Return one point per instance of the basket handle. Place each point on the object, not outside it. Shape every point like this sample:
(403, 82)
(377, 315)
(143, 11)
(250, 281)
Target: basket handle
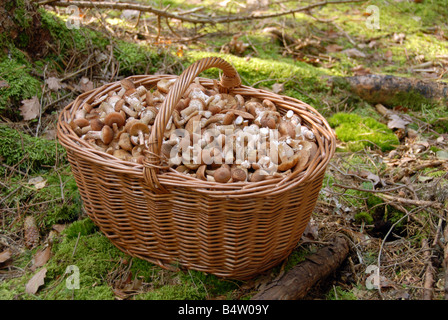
(229, 79)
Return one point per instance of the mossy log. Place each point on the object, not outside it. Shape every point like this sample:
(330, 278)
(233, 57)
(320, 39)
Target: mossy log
(297, 282)
(393, 91)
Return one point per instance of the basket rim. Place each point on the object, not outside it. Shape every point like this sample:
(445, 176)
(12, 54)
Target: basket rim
(325, 139)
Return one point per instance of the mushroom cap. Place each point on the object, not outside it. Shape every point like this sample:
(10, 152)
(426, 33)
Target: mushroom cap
(107, 134)
(96, 124)
(127, 84)
(258, 175)
(269, 105)
(118, 105)
(286, 128)
(87, 106)
(238, 174)
(222, 174)
(122, 154)
(81, 122)
(138, 127)
(125, 142)
(114, 117)
(149, 98)
(164, 85)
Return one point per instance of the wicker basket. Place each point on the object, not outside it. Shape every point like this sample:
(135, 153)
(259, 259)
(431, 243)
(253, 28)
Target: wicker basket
(233, 230)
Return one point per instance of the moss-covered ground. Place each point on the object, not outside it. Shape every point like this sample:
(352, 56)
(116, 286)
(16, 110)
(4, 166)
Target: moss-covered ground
(368, 158)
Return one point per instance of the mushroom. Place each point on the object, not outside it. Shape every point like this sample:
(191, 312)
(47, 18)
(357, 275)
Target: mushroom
(238, 173)
(222, 174)
(139, 129)
(122, 154)
(114, 118)
(148, 115)
(258, 175)
(149, 98)
(94, 125)
(81, 122)
(182, 104)
(127, 84)
(194, 105)
(164, 85)
(286, 128)
(200, 173)
(125, 142)
(105, 135)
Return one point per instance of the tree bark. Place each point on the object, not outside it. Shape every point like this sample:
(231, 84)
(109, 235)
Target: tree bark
(391, 90)
(297, 282)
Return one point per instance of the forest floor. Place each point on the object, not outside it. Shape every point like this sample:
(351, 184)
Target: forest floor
(385, 190)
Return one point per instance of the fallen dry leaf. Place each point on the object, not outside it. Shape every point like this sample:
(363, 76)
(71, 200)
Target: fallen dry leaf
(333, 48)
(31, 232)
(85, 84)
(38, 182)
(5, 255)
(278, 88)
(396, 122)
(30, 108)
(54, 84)
(353, 53)
(36, 281)
(41, 257)
(59, 227)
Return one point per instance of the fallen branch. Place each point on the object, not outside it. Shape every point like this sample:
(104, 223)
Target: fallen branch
(297, 282)
(182, 16)
(391, 90)
(429, 273)
(418, 203)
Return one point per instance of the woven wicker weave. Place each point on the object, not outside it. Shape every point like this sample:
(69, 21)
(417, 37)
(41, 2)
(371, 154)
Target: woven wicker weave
(233, 230)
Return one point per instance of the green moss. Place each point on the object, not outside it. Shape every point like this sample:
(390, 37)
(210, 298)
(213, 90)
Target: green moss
(28, 152)
(82, 227)
(172, 292)
(15, 70)
(94, 256)
(363, 217)
(359, 132)
(257, 69)
(338, 293)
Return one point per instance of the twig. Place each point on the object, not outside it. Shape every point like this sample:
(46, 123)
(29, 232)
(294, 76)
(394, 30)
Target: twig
(419, 203)
(429, 273)
(76, 244)
(369, 190)
(182, 17)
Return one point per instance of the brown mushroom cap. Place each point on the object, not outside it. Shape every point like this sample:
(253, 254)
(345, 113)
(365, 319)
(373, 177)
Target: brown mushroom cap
(139, 129)
(96, 124)
(238, 174)
(125, 142)
(81, 122)
(127, 84)
(114, 117)
(258, 175)
(286, 128)
(122, 154)
(222, 174)
(107, 134)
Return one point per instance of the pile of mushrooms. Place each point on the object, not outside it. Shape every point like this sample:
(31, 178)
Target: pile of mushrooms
(212, 136)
